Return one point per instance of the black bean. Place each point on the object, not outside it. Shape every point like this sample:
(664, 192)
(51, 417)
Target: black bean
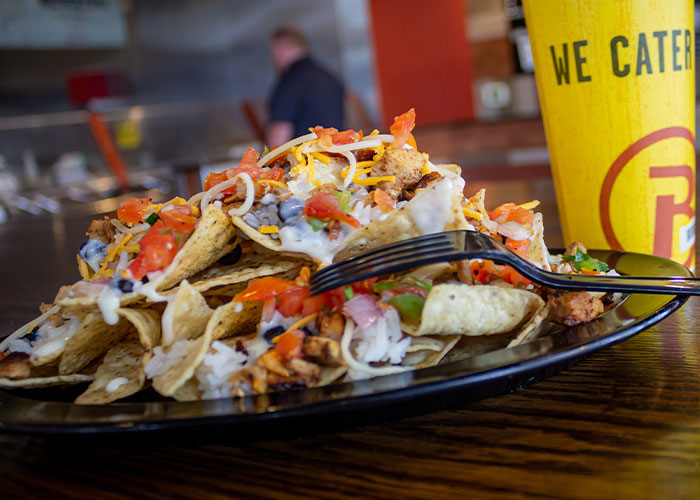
(126, 286)
(273, 332)
(232, 257)
(144, 280)
(291, 208)
(31, 336)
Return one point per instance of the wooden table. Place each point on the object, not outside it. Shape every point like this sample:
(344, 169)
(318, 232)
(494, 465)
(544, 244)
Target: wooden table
(623, 423)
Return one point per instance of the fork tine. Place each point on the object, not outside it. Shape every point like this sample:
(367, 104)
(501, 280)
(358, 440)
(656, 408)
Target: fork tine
(421, 240)
(385, 267)
(349, 266)
(384, 260)
(412, 245)
(361, 266)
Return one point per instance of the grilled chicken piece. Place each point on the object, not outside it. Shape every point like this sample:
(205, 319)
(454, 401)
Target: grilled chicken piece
(576, 245)
(405, 164)
(15, 365)
(330, 324)
(323, 351)
(574, 308)
(101, 230)
(410, 191)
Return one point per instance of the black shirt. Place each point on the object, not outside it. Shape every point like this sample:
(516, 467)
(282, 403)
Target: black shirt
(307, 95)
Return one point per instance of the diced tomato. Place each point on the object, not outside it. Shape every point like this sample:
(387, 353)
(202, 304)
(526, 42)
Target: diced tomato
(313, 305)
(411, 141)
(330, 136)
(512, 212)
(588, 271)
(132, 210)
(274, 174)
(521, 247)
(247, 165)
(325, 206)
(346, 137)
(292, 301)
(179, 218)
(365, 286)
(335, 298)
(289, 344)
(383, 200)
(402, 126)
(213, 179)
(157, 252)
(264, 288)
(486, 271)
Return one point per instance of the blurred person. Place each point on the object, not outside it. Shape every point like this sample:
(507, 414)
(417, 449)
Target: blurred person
(305, 94)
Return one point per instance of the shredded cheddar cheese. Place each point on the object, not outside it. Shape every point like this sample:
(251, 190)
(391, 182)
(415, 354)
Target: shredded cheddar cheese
(298, 324)
(83, 268)
(311, 171)
(530, 204)
(272, 183)
(269, 229)
(321, 157)
(471, 213)
(374, 132)
(113, 252)
(371, 181)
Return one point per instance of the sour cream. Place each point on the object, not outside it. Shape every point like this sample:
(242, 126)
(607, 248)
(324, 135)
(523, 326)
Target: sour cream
(116, 383)
(431, 208)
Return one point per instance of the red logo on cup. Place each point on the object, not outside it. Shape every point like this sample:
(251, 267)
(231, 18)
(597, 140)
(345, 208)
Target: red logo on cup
(666, 208)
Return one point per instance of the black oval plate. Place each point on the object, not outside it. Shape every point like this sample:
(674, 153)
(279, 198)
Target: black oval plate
(362, 401)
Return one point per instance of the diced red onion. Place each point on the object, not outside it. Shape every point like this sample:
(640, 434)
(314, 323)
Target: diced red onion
(363, 310)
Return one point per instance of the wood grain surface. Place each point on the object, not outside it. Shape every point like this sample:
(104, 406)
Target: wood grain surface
(622, 423)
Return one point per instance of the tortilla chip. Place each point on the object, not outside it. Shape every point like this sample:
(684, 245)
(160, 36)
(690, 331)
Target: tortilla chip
(82, 306)
(533, 328)
(123, 361)
(229, 321)
(26, 328)
(427, 354)
(467, 347)
(538, 249)
(189, 391)
(173, 379)
(329, 374)
(213, 238)
(402, 224)
(39, 382)
(93, 338)
(249, 267)
(476, 310)
(147, 324)
(186, 316)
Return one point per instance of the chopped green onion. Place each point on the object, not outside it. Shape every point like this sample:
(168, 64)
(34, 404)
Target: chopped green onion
(410, 306)
(316, 224)
(266, 150)
(151, 219)
(348, 292)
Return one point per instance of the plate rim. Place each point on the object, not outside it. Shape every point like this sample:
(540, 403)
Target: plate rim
(432, 385)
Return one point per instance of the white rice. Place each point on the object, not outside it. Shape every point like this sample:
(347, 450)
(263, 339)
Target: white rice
(162, 361)
(218, 365)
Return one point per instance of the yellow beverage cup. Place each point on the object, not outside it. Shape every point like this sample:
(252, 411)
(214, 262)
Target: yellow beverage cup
(616, 82)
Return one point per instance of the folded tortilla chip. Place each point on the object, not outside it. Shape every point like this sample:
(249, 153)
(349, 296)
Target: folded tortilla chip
(186, 315)
(93, 338)
(476, 310)
(120, 375)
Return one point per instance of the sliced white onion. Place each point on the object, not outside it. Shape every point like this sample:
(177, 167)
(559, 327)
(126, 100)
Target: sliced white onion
(363, 367)
(490, 225)
(367, 143)
(284, 147)
(514, 230)
(219, 188)
(249, 195)
(351, 171)
(138, 228)
(382, 137)
(195, 198)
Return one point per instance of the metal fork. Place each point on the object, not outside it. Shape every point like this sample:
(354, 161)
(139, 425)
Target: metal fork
(459, 245)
